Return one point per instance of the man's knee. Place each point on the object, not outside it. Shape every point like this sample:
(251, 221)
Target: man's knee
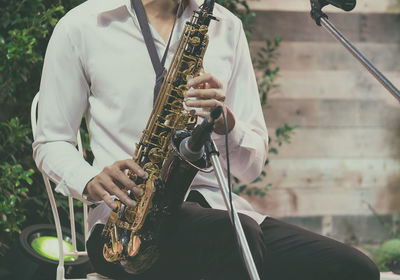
(373, 271)
(359, 266)
(366, 269)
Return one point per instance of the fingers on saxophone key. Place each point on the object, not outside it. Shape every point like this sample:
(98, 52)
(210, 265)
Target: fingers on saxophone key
(138, 191)
(209, 103)
(205, 78)
(123, 180)
(113, 188)
(202, 114)
(212, 93)
(106, 197)
(132, 165)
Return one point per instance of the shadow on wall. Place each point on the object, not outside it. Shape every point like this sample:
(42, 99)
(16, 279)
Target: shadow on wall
(394, 181)
(389, 200)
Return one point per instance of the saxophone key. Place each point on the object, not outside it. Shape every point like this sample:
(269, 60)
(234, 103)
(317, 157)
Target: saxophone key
(180, 90)
(203, 29)
(161, 138)
(195, 41)
(134, 245)
(170, 119)
(176, 105)
(152, 169)
(133, 176)
(156, 155)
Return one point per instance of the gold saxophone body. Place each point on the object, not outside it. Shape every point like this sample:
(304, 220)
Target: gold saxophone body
(131, 234)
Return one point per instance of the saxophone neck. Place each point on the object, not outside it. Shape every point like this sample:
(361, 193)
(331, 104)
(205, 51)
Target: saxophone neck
(208, 6)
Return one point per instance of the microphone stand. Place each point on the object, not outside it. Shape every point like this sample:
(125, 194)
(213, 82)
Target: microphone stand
(213, 154)
(321, 18)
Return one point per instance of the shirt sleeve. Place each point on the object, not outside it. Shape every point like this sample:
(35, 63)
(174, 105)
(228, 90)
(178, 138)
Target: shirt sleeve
(248, 140)
(64, 92)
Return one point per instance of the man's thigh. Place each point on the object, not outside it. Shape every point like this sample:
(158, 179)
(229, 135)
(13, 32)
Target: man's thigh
(295, 253)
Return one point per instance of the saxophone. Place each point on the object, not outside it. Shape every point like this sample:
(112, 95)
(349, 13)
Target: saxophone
(131, 234)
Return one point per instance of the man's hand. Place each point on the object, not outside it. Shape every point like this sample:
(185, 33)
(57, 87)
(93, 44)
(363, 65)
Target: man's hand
(114, 181)
(209, 94)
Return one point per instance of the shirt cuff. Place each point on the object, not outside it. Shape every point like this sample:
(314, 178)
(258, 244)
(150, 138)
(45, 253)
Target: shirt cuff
(75, 184)
(235, 137)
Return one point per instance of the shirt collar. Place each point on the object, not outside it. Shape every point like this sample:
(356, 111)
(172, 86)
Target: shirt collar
(104, 6)
(107, 5)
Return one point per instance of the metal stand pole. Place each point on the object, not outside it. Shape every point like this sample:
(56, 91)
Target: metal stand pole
(223, 184)
(322, 18)
(365, 62)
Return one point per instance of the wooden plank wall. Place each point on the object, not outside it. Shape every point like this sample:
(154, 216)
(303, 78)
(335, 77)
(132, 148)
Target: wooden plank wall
(345, 153)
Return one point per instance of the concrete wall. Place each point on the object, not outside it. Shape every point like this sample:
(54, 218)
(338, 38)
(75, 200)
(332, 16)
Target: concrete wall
(345, 154)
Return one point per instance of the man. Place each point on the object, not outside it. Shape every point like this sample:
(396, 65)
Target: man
(97, 63)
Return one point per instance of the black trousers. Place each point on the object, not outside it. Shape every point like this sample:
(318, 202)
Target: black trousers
(199, 243)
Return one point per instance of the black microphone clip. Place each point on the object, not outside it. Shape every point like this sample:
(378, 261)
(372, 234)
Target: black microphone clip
(191, 148)
(346, 5)
(317, 5)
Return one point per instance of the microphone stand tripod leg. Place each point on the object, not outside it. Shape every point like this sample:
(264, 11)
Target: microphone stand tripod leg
(213, 154)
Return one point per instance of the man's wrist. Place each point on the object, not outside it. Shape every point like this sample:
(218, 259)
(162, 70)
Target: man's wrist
(220, 125)
(86, 195)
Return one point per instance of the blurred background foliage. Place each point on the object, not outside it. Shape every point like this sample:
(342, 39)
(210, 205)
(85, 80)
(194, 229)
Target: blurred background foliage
(25, 28)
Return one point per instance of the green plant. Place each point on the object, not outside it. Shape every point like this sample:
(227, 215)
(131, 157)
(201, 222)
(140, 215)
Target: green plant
(390, 249)
(14, 180)
(14, 140)
(387, 252)
(23, 36)
(264, 62)
(25, 27)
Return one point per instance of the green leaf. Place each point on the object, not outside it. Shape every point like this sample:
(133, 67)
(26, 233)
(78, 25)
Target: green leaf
(258, 179)
(273, 150)
(24, 190)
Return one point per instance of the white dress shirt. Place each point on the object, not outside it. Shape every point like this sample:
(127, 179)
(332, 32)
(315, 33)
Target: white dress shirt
(97, 63)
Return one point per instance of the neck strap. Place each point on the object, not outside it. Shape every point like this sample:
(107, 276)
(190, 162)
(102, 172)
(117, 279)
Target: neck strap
(158, 65)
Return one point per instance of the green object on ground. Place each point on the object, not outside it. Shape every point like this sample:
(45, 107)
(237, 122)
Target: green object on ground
(47, 246)
(388, 251)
